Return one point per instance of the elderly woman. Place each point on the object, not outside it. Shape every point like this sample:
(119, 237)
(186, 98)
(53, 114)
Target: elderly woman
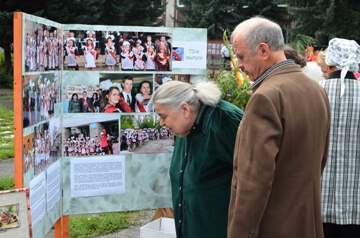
(340, 179)
(202, 162)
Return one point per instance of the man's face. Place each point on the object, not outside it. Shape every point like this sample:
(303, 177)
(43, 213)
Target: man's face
(84, 94)
(250, 63)
(127, 84)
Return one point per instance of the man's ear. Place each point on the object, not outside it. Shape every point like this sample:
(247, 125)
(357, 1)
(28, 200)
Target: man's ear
(264, 50)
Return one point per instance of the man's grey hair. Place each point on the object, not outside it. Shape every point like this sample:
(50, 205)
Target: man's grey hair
(258, 29)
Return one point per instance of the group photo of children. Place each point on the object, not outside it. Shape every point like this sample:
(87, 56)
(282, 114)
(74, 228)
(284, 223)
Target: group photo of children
(114, 50)
(43, 47)
(91, 135)
(47, 144)
(41, 93)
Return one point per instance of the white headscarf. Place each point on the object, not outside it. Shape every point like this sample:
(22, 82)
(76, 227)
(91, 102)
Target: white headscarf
(344, 55)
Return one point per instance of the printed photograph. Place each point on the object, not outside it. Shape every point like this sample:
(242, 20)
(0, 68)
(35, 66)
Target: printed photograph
(115, 50)
(90, 135)
(28, 152)
(48, 139)
(40, 94)
(9, 218)
(126, 93)
(43, 47)
(142, 134)
(80, 98)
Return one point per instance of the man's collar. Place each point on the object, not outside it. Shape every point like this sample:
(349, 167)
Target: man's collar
(270, 70)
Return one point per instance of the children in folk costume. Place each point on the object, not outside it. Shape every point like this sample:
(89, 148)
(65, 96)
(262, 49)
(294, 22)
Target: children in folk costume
(110, 53)
(71, 54)
(31, 54)
(90, 55)
(138, 50)
(150, 58)
(52, 54)
(127, 57)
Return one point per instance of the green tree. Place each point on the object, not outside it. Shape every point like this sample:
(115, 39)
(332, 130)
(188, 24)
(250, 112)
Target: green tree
(220, 15)
(215, 15)
(132, 13)
(325, 19)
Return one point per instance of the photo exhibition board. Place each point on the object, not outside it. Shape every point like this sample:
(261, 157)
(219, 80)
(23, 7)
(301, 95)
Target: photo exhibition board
(91, 141)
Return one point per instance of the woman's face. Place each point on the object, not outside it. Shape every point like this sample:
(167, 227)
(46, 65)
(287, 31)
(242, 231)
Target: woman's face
(145, 89)
(177, 121)
(74, 97)
(114, 97)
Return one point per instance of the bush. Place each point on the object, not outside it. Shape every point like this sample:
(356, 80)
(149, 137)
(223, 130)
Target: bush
(6, 78)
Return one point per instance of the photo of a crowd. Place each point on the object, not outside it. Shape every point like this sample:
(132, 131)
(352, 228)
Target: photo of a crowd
(116, 50)
(43, 47)
(47, 144)
(40, 94)
(143, 134)
(95, 135)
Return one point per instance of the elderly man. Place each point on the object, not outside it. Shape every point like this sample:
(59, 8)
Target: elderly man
(282, 141)
(340, 181)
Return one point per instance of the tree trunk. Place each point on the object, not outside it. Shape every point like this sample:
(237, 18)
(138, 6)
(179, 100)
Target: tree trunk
(8, 63)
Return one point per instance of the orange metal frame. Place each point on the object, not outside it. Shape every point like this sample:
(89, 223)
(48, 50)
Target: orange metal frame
(62, 225)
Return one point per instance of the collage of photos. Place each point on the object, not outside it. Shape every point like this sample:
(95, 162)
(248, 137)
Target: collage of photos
(116, 93)
(114, 50)
(41, 92)
(48, 48)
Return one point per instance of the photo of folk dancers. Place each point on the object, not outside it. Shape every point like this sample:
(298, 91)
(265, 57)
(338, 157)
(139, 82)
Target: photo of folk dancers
(117, 51)
(125, 93)
(92, 135)
(142, 134)
(48, 138)
(41, 93)
(43, 47)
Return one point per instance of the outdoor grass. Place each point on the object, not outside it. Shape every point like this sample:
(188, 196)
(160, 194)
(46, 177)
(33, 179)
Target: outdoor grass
(6, 133)
(100, 224)
(7, 183)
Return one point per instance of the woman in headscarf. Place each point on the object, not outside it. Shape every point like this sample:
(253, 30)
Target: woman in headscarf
(340, 179)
